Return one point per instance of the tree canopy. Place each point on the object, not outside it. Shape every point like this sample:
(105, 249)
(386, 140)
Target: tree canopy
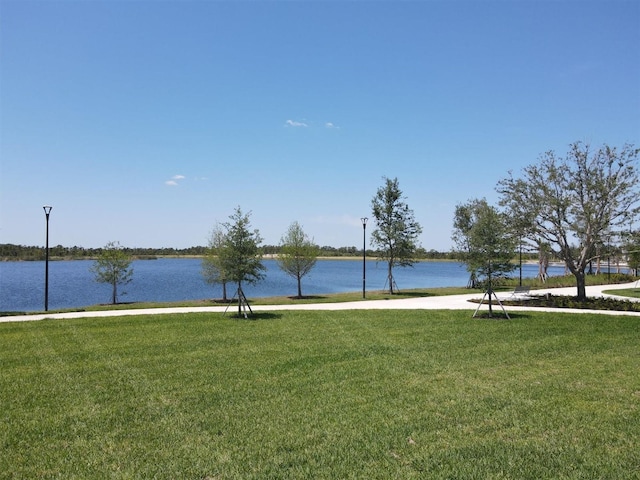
(632, 250)
(298, 254)
(240, 257)
(212, 268)
(396, 233)
(484, 241)
(574, 202)
(113, 266)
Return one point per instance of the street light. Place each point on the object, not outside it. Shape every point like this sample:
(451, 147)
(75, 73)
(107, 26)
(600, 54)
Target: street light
(520, 249)
(609, 258)
(47, 211)
(364, 254)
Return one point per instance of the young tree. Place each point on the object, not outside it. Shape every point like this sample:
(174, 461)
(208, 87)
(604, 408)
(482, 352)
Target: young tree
(298, 254)
(463, 221)
(113, 266)
(484, 241)
(632, 250)
(397, 231)
(578, 199)
(240, 257)
(211, 262)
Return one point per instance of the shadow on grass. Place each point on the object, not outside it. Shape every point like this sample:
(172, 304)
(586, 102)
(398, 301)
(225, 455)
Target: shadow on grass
(500, 316)
(408, 294)
(307, 297)
(254, 316)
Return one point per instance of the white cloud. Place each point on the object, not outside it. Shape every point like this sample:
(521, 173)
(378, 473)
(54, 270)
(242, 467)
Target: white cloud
(331, 125)
(174, 180)
(293, 123)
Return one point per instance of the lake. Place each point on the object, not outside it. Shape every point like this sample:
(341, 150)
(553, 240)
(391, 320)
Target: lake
(72, 285)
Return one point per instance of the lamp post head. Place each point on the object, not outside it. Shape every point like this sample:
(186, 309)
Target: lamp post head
(47, 209)
(364, 222)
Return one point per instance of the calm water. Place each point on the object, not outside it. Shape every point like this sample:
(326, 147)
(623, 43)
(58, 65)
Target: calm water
(71, 284)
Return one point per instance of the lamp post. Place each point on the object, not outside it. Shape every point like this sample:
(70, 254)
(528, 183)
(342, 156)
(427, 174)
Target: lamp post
(609, 258)
(364, 254)
(520, 249)
(47, 211)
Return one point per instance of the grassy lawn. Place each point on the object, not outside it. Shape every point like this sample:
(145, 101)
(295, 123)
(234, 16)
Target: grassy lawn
(569, 280)
(503, 285)
(276, 300)
(625, 292)
(322, 395)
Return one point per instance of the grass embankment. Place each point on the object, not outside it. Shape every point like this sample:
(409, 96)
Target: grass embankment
(625, 292)
(569, 281)
(278, 300)
(322, 395)
(503, 285)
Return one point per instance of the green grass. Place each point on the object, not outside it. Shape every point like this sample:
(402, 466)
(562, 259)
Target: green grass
(502, 285)
(276, 300)
(567, 280)
(370, 295)
(322, 395)
(625, 292)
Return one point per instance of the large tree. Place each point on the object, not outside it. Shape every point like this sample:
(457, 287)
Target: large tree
(240, 257)
(212, 270)
(396, 233)
(113, 266)
(484, 242)
(298, 254)
(576, 201)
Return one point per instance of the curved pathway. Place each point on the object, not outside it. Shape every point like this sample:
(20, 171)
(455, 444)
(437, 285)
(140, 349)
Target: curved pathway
(445, 302)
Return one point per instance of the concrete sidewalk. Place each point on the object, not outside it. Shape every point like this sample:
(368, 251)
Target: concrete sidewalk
(445, 302)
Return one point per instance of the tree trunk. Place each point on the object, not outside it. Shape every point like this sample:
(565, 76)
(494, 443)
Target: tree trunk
(390, 277)
(543, 266)
(299, 288)
(240, 299)
(114, 293)
(490, 291)
(581, 283)
(224, 292)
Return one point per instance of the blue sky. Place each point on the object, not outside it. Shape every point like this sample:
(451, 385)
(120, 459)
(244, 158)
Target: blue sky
(146, 122)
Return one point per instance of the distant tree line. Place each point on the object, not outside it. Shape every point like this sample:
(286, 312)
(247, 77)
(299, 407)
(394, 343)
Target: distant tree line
(11, 252)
